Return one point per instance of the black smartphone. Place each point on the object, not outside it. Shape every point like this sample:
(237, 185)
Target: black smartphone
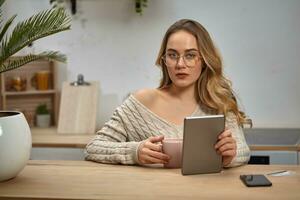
(255, 180)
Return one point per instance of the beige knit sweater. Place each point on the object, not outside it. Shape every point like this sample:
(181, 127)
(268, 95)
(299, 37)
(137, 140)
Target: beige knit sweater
(132, 122)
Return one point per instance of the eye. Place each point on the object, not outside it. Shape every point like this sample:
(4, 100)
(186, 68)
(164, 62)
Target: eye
(172, 55)
(190, 56)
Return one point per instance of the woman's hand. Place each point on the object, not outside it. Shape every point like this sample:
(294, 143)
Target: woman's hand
(150, 153)
(226, 146)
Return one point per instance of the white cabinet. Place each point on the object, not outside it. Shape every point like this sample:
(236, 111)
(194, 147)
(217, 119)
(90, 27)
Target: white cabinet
(56, 153)
(279, 157)
(48, 145)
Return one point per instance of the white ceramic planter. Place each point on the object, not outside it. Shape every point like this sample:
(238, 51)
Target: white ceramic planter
(43, 121)
(15, 144)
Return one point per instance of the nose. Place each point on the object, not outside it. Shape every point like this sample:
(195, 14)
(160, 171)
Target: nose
(180, 62)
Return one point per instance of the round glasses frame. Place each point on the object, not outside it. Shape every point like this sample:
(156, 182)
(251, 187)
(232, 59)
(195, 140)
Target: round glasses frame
(173, 62)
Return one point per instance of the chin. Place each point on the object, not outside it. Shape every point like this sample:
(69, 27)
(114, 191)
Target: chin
(183, 84)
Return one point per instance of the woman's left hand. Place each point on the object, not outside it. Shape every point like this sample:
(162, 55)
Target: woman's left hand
(226, 146)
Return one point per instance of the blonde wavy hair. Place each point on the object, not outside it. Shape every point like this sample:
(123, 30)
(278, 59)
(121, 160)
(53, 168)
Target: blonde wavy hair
(214, 90)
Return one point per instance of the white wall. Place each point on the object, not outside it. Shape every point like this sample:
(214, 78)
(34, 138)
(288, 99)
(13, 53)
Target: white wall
(259, 41)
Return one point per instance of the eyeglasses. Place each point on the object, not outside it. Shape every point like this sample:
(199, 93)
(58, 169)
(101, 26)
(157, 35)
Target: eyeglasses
(190, 59)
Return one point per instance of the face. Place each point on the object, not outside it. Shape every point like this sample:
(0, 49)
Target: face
(183, 59)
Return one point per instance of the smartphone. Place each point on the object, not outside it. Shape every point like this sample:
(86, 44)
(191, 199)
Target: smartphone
(255, 180)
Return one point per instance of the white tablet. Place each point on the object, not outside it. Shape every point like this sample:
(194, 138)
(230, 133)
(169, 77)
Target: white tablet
(200, 134)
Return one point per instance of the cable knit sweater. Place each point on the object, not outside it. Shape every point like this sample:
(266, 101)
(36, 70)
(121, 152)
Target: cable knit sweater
(132, 122)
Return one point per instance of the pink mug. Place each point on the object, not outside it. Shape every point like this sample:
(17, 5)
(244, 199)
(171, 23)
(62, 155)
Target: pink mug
(173, 148)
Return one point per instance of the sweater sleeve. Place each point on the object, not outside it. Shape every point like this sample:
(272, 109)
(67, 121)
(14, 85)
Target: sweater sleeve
(243, 151)
(111, 144)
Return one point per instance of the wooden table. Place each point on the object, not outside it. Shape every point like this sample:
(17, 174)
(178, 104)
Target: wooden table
(88, 180)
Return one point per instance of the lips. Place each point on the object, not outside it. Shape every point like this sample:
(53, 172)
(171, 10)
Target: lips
(181, 75)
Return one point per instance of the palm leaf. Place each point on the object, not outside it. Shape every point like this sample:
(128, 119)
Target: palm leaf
(20, 61)
(41, 25)
(6, 26)
(1, 2)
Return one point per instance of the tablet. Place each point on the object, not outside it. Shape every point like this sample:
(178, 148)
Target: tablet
(200, 134)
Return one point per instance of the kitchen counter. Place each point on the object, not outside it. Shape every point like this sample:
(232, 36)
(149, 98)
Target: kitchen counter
(257, 139)
(48, 137)
(273, 139)
(88, 180)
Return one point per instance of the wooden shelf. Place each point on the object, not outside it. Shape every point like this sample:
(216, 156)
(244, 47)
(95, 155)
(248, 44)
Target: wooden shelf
(29, 92)
(30, 97)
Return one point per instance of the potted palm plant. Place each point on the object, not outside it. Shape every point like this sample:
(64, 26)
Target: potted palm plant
(15, 136)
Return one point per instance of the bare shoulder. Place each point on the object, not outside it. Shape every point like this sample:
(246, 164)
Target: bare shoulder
(146, 96)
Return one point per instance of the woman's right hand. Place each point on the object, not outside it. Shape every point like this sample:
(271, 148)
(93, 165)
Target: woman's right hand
(150, 152)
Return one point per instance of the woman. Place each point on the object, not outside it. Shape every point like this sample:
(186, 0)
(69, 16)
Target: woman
(192, 85)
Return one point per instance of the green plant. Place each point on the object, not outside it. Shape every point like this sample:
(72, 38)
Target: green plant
(140, 5)
(42, 110)
(38, 26)
(57, 3)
